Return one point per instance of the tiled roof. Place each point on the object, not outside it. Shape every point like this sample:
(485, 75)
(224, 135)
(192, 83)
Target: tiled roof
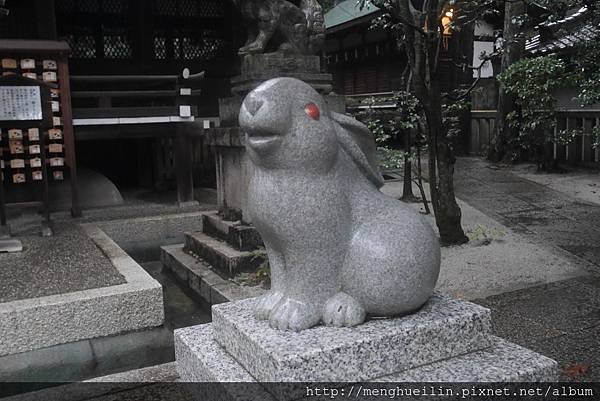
(567, 33)
(347, 11)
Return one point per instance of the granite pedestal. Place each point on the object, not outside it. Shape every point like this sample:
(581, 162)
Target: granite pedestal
(447, 340)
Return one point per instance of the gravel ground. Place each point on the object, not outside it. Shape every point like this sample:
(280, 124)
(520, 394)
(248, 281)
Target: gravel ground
(67, 262)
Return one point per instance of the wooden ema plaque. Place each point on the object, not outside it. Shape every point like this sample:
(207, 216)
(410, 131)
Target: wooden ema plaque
(45, 62)
(25, 111)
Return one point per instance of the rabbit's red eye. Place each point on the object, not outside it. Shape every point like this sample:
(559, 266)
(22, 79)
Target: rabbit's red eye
(312, 110)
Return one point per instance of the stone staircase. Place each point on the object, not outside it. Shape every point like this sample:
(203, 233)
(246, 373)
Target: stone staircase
(209, 259)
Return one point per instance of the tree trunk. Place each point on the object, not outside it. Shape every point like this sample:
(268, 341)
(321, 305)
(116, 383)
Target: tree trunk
(420, 181)
(422, 50)
(513, 50)
(407, 193)
(447, 212)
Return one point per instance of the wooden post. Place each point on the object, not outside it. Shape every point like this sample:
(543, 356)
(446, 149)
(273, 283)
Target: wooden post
(68, 132)
(184, 149)
(46, 223)
(2, 207)
(184, 165)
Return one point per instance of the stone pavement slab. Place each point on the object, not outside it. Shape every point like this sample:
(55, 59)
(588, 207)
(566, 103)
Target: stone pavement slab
(534, 208)
(559, 320)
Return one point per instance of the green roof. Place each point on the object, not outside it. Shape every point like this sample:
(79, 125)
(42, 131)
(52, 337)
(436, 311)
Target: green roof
(347, 11)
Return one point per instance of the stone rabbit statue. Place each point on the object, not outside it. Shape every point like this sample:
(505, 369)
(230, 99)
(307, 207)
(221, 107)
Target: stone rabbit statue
(339, 249)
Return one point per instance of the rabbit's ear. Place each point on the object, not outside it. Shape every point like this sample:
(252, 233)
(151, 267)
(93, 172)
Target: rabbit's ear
(359, 144)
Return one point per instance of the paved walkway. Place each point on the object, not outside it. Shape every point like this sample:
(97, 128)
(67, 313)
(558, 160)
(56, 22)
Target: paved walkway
(562, 319)
(531, 208)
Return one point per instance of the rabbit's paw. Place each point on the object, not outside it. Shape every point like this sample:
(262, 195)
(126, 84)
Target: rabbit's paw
(342, 310)
(290, 314)
(266, 303)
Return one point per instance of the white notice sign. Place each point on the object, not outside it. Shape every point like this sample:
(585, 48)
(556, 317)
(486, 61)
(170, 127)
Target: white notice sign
(20, 103)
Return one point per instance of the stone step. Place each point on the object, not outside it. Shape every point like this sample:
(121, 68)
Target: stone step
(201, 359)
(241, 237)
(442, 329)
(201, 279)
(221, 256)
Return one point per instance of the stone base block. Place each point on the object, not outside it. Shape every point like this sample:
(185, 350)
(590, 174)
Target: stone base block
(201, 359)
(10, 245)
(277, 63)
(257, 68)
(239, 236)
(245, 83)
(443, 328)
(220, 255)
(200, 278)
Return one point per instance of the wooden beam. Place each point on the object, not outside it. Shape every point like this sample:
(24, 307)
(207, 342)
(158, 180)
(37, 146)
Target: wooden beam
(132, 93)
(122, 78)
(123, 112)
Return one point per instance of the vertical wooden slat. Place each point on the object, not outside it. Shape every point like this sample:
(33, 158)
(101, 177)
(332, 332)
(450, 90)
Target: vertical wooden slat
(560, 149)
(576, 144)
(2, 203)
(586, 147)
(567, 146)
(492, 129)
(555, 156)
(474, 136)
(484, 138)
(597, 149)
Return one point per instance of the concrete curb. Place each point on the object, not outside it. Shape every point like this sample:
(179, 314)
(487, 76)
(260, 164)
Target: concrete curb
(141, 237)
(30, 324)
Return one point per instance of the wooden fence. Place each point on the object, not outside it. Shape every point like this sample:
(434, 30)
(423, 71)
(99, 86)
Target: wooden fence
(579, 151)
(483, 123)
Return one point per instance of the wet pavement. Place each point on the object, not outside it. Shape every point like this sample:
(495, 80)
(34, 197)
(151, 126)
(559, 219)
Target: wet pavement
(535, 210)
(560, 320)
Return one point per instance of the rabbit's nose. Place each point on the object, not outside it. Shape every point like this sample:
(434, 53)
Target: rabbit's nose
(253, 104)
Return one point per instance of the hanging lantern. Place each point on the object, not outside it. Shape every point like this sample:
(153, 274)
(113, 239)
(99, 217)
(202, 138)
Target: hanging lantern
(447, 21)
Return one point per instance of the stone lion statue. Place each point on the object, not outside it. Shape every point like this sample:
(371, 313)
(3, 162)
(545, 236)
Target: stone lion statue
(280, 25)
(339, 249)
(3, 11)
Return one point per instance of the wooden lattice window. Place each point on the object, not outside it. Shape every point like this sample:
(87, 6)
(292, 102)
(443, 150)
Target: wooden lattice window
(96, 28)
(189, 29)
